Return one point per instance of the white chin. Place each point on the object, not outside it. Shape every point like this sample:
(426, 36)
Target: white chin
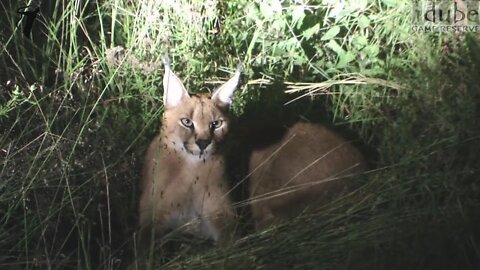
(202, 154)
(197, 153)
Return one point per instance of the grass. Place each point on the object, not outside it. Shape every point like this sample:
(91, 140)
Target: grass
(81, 99)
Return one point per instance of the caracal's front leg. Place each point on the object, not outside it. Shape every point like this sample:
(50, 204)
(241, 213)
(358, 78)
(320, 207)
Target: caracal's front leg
(217, 215)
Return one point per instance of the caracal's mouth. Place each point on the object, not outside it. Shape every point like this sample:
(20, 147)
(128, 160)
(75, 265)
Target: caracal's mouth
(197, 152)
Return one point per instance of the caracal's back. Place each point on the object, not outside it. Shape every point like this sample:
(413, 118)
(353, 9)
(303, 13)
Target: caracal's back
(305, 165)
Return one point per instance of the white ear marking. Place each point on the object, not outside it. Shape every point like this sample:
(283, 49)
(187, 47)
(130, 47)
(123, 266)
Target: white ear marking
(173, 89)
(224, 93)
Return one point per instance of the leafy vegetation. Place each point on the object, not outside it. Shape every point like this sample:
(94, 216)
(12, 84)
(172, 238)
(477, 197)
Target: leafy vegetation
(81, 98)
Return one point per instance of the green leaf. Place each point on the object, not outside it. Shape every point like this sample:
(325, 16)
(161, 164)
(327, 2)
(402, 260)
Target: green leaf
(266, 10)
(362, 4)
(311, 31)
(298, 14)
(278, 24)
(345, 59)
(252, 13)
(390, 3)
(375, 71)
(363, 21)
(359, 42)
(371, 50)
(331, 33)
(333, 45)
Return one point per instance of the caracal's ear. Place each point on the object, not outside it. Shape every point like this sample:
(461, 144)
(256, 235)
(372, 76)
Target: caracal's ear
(173, 89)
(223, 94)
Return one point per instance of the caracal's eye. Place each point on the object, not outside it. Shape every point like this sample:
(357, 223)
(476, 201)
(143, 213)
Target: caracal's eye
(216, 124)
(186, 122)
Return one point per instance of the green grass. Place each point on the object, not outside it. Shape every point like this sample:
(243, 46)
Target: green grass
(80, 101)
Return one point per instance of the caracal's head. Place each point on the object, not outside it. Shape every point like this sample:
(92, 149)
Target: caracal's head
(194, 125)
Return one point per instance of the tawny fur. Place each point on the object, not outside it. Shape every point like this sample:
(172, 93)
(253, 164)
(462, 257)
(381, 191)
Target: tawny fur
(305, 166)
(183, 186)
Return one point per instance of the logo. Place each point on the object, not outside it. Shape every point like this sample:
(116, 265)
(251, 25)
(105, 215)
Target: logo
(446, 16)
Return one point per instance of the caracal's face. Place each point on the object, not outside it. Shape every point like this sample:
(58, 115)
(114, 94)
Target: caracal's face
(195, 127)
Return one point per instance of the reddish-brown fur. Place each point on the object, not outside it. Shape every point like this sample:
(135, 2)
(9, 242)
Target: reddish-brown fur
(306, 165)
(183, 184)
